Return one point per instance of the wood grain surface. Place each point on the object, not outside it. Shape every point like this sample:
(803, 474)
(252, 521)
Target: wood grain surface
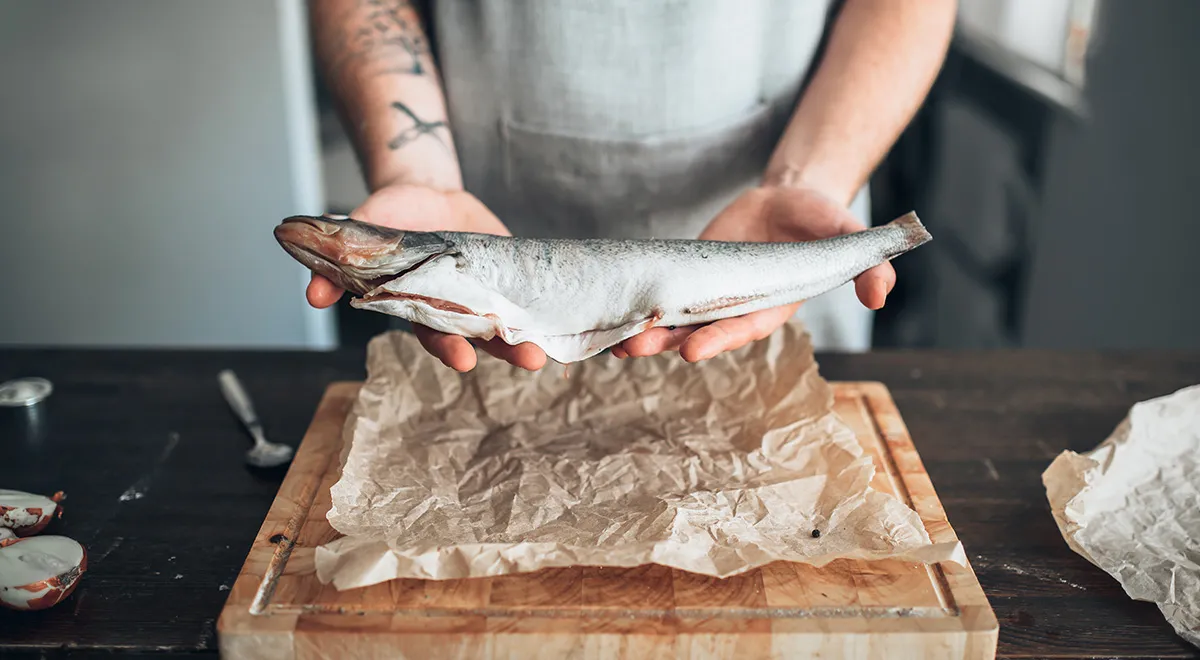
(986, 424)
(852, 609)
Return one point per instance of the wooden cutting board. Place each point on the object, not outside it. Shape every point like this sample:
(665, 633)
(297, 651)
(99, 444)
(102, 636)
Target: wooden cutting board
(849, 609)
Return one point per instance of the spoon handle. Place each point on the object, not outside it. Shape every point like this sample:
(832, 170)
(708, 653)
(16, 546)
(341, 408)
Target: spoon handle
(239, 401)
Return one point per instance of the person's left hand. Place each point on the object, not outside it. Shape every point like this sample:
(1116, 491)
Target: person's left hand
(770, 214)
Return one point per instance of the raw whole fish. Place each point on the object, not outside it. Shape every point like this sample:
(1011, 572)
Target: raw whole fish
(576, 297)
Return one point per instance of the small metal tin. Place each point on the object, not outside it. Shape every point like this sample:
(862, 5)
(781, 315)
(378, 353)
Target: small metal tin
(24, 392)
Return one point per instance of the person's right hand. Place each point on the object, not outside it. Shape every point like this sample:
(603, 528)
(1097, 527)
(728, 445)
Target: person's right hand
(426, 209)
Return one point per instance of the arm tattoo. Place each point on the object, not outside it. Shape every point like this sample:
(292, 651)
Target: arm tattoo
(418, 129)
(379, 25)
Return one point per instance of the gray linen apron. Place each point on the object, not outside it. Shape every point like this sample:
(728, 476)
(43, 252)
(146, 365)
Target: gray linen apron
(630, 118)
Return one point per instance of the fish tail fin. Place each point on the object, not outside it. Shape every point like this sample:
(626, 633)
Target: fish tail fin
(913, 233)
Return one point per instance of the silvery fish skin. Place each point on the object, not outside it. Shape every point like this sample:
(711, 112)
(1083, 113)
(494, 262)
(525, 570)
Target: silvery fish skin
(576, 297)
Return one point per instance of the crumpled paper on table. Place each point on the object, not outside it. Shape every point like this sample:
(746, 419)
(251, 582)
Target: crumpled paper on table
(1131, 506)
(713, 468)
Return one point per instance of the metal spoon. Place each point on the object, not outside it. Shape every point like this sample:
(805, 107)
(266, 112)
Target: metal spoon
(264, 454)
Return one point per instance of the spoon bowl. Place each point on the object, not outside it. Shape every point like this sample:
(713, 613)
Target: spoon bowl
(263, 454)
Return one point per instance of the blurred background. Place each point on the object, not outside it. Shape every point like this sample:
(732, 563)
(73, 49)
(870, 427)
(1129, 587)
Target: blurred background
(148, 147)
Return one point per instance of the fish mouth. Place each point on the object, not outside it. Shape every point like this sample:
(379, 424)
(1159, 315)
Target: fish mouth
(307, 240)
(310, 233)
(325, 224)
(304, 233)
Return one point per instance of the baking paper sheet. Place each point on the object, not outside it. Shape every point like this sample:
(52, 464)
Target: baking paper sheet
(714, 468)
(1131, 506)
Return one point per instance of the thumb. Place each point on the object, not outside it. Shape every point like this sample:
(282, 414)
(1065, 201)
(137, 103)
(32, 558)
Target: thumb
(322, 292)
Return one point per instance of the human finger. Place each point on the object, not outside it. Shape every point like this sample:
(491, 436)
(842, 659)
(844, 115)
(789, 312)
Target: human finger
(524, 355)
(657, 340)
(454, 351)
(733, 333)
(873, 286)
(322, 292)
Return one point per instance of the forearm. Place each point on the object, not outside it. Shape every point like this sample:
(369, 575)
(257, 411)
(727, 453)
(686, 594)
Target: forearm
(881, 60)
(375, 59)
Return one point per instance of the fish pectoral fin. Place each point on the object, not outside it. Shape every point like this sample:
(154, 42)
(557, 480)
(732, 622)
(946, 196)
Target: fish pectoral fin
(583, 345)
(436, 313)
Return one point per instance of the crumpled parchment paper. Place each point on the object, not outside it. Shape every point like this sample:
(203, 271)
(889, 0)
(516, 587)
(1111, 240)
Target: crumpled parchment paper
(1131, 506)
(713, 468)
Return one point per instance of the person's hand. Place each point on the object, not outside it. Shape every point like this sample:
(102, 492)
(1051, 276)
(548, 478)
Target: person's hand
(426, 209)
(771, 214)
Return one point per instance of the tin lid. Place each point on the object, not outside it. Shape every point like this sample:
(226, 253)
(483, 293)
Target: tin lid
(24, 392)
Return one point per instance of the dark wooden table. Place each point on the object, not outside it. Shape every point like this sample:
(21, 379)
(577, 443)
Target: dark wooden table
(151, 461)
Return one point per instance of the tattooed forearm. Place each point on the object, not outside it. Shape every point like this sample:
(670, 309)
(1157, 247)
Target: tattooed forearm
(377, 63)
(385, 30)
(418, 129)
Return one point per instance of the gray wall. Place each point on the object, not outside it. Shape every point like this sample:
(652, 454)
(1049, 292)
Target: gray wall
(1118, 231)
(146, 150)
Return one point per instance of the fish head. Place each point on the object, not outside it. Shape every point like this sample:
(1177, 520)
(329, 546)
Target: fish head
(357, 256)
